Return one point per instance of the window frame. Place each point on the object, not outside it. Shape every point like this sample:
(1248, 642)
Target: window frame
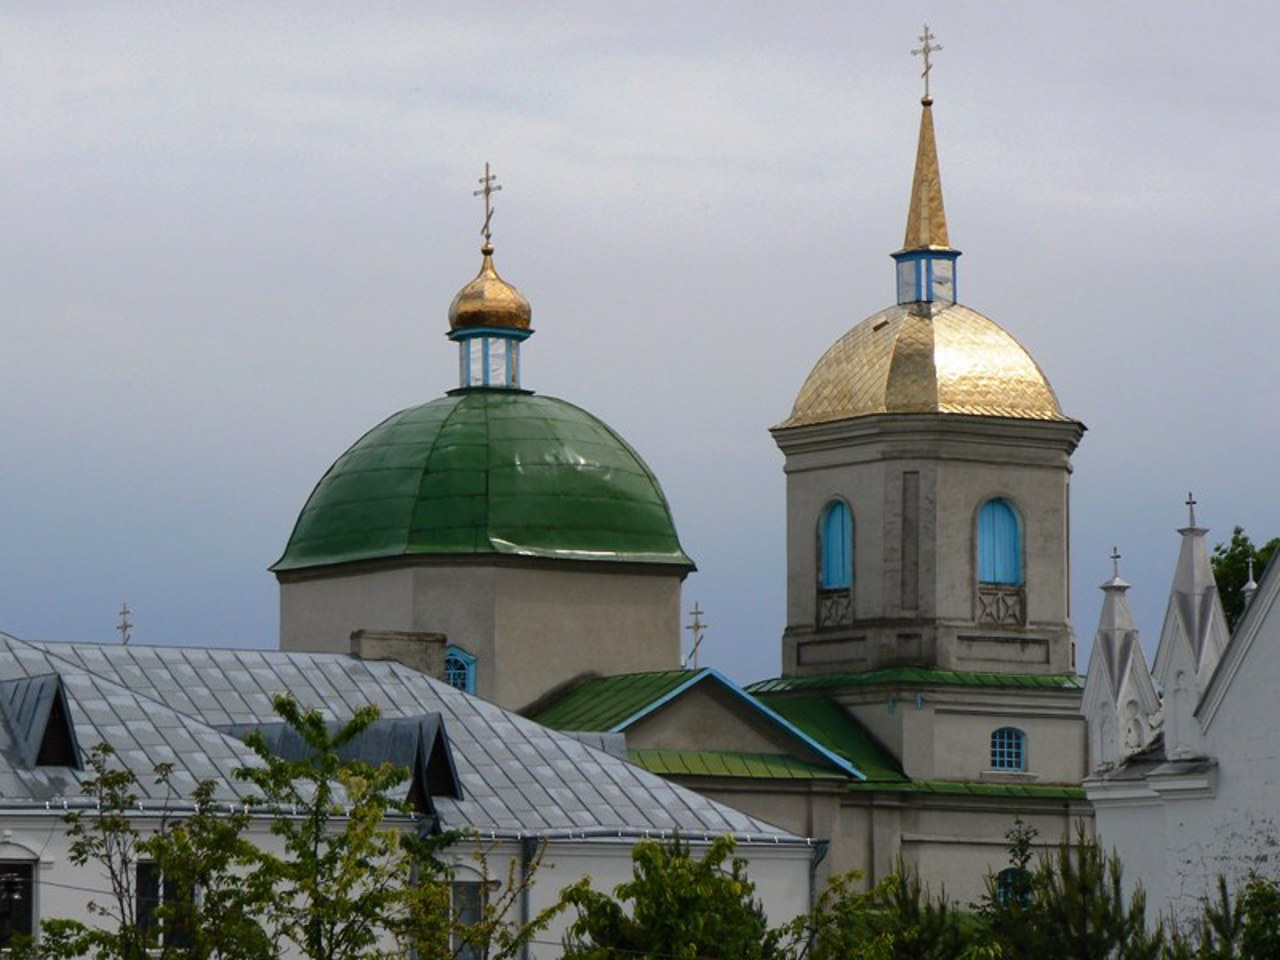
(468, 668)
(988, 569)
(845, 536)
(17, 877)
(475, 894)
(145, 910)
(1011, 881)
(1008, 750)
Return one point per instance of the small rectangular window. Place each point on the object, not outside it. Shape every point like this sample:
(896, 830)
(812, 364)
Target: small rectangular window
(153, 892)
(17, 891)
(468, 910)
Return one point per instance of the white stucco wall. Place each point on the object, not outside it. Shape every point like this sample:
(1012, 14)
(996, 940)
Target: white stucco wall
(62, 890)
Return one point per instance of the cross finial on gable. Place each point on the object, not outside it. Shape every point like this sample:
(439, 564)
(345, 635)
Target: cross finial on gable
(927, 46)
(1191, 509)
(696, 626)
(1115, 562)
(488, 187)
(125, 626)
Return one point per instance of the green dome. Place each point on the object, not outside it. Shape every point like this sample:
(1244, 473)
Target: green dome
(487, 472)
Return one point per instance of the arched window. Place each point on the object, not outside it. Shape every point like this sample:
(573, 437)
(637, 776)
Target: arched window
(1013, 884)
(460, 669)
(999, 543)
(1008, 749)
(836, 547)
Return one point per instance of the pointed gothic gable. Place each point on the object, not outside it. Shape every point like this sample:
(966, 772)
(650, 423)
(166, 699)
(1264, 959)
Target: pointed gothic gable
(1194, 616)
(1120, 699)
(39, 721)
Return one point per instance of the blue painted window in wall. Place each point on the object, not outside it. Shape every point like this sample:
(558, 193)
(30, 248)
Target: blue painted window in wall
(460, 669)
(999, 543)
(836, 536)
(1008, 749)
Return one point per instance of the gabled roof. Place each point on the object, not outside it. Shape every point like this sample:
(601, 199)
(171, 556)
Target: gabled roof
(837, 729)
(724, 763)
(610, 703)
(517, 777)
(617, 702)
(920, 677)
(415, 744)
(35, 709)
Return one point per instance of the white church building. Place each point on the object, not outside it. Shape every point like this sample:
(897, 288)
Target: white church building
(1186, 785)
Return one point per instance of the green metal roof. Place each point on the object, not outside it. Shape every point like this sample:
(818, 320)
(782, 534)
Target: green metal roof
(602, 703)
(918, 675)
(719, 763)
(966, 788)
(836, 729)
(487, 472)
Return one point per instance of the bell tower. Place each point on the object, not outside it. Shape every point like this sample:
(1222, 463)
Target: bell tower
(928, 478)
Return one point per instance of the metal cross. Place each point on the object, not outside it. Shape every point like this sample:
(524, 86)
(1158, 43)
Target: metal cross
(927, 46)
(695, 628)
(487, 189)
(125, 626)
(1115, 562)
(1191, 507)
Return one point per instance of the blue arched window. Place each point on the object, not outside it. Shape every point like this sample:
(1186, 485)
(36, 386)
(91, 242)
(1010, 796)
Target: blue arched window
(836, 547)
(1008, 749)
(460, 669)
(999, 543)
(1013, 885)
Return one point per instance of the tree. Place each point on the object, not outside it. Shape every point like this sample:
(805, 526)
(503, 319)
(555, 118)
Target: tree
(203, 850)
(1231, 570)
(353, 879)
(674, 906)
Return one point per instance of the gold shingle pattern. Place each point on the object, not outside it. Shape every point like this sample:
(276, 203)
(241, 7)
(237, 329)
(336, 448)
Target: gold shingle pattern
(923, 359)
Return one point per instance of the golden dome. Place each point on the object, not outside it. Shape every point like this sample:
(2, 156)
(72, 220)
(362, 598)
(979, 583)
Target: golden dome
(489, 301)
(925, 358)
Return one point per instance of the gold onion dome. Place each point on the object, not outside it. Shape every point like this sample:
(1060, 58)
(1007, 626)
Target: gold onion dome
(489, 301)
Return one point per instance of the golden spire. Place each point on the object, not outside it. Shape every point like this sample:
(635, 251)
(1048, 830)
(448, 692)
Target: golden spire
(926, 219)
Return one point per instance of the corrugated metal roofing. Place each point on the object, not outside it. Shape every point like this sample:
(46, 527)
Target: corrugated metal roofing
(602, 703)
(917, 675)
(837, 730)
(969, 788)
(516, 775)
(722, 763)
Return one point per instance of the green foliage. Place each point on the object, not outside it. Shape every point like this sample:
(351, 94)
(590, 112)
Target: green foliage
(899, 919)
(349, 878)
(674, 906)
(1231, 570)
(204, 850)
(340, 883)
(1244, 928)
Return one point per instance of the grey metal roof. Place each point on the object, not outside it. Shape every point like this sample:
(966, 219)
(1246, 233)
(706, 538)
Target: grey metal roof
(516, 776)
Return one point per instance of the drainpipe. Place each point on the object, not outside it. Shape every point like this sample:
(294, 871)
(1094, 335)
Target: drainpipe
(528, 850)
(819, 854)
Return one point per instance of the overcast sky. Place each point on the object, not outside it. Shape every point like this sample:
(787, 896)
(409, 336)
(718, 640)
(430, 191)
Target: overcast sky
(234, 231)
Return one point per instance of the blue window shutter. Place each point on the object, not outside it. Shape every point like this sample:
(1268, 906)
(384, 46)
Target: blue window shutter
(999, 544)
(837, 547)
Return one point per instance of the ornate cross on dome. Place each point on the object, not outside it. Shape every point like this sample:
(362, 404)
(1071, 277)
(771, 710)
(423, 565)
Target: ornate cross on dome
(927, 46)
(1115, 562)
(488, 187)
(1191, 508)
